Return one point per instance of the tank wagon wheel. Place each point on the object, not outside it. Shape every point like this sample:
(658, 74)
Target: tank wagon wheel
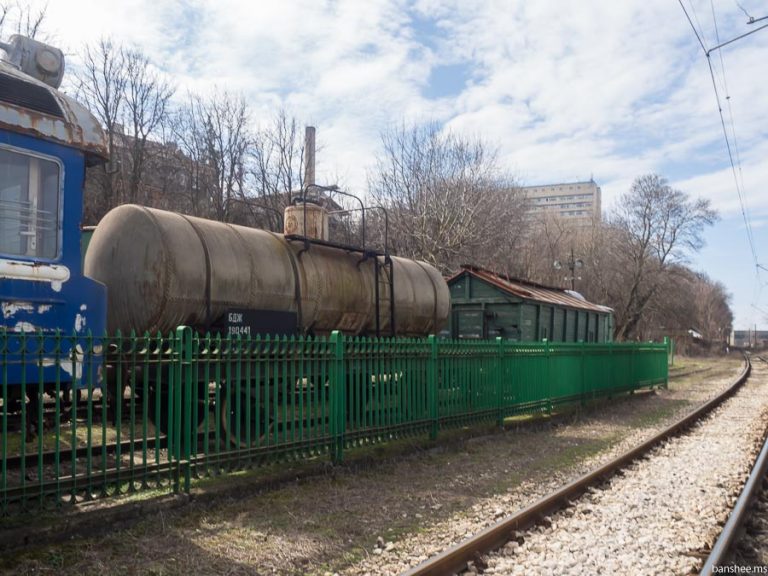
(69, 394)
(115, 390)
(235, 419)
(160, 404)
(33, 426)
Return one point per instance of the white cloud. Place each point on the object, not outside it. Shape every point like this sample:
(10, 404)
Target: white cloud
(565, 90)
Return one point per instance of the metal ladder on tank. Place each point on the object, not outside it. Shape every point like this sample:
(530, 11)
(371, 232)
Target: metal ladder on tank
(384, 294)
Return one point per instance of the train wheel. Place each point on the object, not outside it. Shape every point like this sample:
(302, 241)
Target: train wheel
(34, 424)
(69, 393)
(237, 419)
(160, 405)
(115, 391)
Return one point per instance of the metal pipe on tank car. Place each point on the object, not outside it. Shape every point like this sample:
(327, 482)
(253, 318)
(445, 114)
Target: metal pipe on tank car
(373, 207)
(387, 261)
(335, 189)
(309, 153)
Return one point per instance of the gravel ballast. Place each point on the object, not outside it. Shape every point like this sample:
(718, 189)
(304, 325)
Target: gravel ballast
(663, 512)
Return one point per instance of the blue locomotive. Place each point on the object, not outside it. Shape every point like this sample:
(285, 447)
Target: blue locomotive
(46, 141)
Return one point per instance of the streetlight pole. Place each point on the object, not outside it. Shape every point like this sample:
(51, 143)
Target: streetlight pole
(573, 265)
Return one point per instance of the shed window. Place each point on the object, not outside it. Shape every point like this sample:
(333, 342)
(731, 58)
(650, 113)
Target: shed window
(29, 206)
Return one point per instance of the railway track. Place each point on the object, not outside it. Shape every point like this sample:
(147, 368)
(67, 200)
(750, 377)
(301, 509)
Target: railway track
(524, 541)
(722, 550)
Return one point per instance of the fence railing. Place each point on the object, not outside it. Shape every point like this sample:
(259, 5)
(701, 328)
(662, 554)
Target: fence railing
(156, 412)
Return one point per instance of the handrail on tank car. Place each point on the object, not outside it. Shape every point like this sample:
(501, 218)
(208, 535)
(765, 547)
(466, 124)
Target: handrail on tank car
(386, 224)
(387, 262)
(366, 253)
(332, 189)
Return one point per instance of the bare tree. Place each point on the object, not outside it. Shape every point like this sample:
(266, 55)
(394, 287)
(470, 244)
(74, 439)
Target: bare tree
(655, 226)
(196, 175)
(276, 170)
(102, 81)
(547, 238)
(146, 101)
(447, 199)
(24, 20)
(714, 317)
(215, 137)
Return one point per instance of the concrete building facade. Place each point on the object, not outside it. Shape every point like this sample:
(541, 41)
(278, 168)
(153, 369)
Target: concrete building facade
(571, 200)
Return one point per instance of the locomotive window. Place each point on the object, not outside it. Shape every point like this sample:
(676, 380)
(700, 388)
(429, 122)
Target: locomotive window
(29, 206)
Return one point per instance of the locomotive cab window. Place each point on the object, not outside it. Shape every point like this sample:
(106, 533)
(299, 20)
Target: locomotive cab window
(29, 206)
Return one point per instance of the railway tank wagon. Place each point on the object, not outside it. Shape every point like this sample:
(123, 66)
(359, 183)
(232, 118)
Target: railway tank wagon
(163, 269)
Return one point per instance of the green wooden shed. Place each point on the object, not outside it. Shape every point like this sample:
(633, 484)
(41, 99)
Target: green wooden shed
(486, 305)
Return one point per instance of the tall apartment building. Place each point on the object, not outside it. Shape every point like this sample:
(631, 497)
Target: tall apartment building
(572, 200)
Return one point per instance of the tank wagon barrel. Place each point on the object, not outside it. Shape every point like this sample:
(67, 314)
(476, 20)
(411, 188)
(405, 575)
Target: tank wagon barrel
(163, 269)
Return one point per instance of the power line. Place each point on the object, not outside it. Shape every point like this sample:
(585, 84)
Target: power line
(759, 309)
(740, 181)
(701, 42)
(750, 236)
(750, 19)
(747, 14)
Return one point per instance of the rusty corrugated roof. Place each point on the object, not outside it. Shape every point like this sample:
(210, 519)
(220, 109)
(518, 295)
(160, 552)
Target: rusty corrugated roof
(531, 290)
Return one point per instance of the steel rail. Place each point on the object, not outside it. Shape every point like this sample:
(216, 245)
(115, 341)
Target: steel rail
(455, 559)
(740, 512)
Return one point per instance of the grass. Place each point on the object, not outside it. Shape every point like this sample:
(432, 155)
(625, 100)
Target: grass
(650, 418)
(572, 455)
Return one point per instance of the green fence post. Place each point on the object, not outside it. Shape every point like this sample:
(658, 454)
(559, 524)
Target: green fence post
(174, 403)
(179, 443)
(432, 393)
(611, 367)
(337, 381)
(184, 339)
(548, 373)
(500, 380)
(667, 344)
(582, 371)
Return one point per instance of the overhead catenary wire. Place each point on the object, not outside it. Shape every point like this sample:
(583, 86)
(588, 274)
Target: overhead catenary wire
(747, 14)
(695, 31)
(728, 101)
(747, 222)
(738, 176)
(737, 154)
(750, 19)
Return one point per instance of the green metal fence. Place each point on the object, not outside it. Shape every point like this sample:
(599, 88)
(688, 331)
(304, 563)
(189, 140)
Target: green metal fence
(156, 412)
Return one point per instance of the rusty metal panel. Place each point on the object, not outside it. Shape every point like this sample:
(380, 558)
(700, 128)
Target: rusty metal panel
(306, 219)
(76, 126)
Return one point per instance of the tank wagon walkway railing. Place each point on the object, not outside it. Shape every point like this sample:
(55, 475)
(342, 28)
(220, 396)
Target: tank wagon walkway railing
(157, 412)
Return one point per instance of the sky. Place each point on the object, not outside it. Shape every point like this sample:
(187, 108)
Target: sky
(566, 91)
